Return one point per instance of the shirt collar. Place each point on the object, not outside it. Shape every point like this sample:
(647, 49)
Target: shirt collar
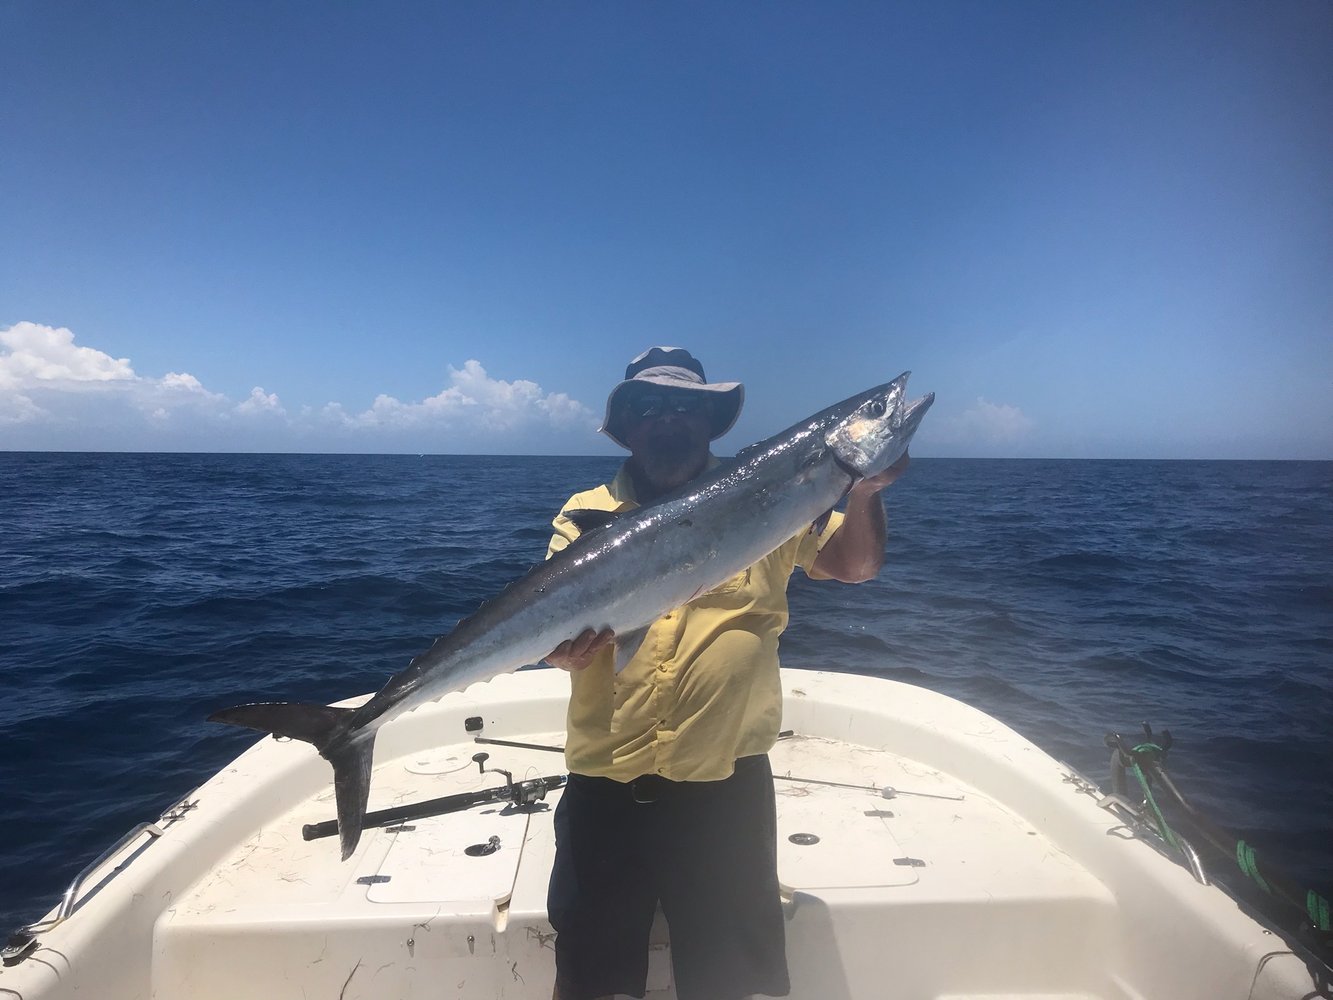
(621, 487)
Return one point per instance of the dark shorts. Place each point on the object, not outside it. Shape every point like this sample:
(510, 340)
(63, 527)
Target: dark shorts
(706, 850)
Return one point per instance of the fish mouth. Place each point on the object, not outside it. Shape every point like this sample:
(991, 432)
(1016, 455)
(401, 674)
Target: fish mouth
(912, 413)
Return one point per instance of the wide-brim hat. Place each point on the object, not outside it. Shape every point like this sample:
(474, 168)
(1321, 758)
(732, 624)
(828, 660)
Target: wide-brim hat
(677, 369)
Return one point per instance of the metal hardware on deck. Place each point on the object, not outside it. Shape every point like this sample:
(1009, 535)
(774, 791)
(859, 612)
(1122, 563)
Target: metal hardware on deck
(1146, 757)
(472, 724)
(804, 839)
(909, 862)
(23, 941)
(373, 879)
(481, 850)
(1134, 817)
(67, 902)
(179, 810)
(1193, 860)
(18, 947)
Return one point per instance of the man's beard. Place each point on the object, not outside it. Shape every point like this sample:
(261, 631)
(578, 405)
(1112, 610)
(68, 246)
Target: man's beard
(673, 459)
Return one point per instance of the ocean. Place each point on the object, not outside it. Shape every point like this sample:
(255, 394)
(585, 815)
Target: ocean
(1069, 599)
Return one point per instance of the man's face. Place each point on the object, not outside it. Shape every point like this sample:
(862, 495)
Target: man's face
(668, 433)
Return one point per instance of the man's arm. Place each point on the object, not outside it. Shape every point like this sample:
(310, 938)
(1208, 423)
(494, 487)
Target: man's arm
(855, 553)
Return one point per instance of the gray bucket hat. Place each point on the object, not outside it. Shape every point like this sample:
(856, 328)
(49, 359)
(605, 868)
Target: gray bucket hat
(672, 368)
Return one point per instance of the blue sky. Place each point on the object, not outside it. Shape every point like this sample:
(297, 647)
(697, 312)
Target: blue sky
(1093, 230)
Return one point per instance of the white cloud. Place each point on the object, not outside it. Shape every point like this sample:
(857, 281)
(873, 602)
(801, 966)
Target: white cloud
(34, 355)
(81, 397)
(15, 408)
(260, 401)
(186, 383)
(474, 400)
(985, 423)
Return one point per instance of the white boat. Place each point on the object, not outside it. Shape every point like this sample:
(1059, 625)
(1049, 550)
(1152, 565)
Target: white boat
(990, 871)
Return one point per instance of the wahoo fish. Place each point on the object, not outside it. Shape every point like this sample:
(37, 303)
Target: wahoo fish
(623, 572)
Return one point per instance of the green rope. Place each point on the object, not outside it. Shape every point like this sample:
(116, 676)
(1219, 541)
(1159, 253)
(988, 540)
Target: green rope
(1245, 859)
(1162, 826)
(1317, 906)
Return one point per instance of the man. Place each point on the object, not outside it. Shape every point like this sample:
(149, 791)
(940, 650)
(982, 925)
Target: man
(670, 797)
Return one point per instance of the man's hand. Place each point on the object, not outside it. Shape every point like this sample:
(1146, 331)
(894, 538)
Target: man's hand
(876, 483)
(577, 653)
(855, 553)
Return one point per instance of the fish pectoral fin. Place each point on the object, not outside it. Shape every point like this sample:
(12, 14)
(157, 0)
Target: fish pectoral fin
(589, 520)
(351, 788)
(627, 645)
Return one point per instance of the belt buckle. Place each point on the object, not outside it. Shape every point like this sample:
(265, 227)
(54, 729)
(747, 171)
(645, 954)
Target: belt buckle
(643, 789)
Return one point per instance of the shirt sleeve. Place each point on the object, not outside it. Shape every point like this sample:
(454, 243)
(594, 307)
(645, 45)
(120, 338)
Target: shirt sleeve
(565, 532)
(812, 541)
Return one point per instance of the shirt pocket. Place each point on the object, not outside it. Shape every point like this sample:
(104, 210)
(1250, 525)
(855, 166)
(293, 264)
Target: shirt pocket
(730, 593)
(738, 582)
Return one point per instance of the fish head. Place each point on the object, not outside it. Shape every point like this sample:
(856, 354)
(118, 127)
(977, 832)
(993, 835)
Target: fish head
(873, 429)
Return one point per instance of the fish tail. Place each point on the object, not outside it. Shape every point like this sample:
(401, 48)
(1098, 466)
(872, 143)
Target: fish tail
(321, 725)
(351, 787)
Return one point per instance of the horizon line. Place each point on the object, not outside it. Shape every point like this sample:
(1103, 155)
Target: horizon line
(409, 454)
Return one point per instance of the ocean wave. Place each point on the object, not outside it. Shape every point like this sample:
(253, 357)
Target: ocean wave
(1068, 599)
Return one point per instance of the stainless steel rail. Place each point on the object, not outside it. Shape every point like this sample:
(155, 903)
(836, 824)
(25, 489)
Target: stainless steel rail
(23, 941)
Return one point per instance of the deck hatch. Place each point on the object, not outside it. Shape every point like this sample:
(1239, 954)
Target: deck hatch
(432, 863)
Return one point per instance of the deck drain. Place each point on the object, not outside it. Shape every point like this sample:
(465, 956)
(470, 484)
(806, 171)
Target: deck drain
(804, 839)
(481, 850)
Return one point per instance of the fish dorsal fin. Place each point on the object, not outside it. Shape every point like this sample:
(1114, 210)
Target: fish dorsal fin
(627, 644)
(589, 520)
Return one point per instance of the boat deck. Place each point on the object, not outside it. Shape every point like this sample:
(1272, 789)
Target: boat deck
(986, 874)
(925, 871)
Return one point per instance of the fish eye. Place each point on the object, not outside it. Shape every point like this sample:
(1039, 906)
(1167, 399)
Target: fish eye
(876, 407)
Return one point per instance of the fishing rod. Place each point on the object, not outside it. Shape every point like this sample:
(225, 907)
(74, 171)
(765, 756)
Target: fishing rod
(1145, 757)
(883, 791)
(785, 734)
(516, 793)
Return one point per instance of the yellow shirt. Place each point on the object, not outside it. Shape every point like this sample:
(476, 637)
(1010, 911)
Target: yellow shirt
(703, 689)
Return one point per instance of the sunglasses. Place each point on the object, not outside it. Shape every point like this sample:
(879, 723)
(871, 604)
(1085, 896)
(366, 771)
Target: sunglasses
(654, 404)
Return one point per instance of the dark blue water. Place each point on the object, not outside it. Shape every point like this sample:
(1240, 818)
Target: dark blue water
(1068, 598)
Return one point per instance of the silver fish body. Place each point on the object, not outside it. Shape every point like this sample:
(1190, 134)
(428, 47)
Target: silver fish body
(623, 575)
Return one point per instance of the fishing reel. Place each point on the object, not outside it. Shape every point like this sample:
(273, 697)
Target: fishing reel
(519, 794)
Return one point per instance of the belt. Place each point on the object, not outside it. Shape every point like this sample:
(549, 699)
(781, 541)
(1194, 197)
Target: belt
(648, 788)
